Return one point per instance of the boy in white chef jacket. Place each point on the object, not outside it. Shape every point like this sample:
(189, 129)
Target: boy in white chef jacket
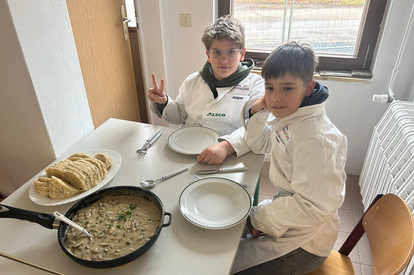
(214, 96)
(296, 231)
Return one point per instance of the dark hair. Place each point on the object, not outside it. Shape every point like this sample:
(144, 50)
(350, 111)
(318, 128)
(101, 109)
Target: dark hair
(225, 27)
(299, 60)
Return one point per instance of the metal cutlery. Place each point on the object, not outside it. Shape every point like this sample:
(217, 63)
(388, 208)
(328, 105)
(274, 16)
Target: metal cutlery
(63, 218)
(152, 183)
(221, 170)
(142, 150)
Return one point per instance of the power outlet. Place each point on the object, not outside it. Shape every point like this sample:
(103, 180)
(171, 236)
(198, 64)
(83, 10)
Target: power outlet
(185, 20)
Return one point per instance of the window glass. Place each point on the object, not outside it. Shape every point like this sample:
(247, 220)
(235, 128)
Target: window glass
(130, 10)
(330, 27)
(343, 33)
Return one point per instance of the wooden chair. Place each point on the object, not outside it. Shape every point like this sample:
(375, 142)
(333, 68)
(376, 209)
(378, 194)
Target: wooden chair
(389, 227)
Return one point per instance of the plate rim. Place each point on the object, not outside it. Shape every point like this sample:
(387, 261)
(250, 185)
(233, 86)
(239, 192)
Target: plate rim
(180, 203)
(216, 135)
(45, 201)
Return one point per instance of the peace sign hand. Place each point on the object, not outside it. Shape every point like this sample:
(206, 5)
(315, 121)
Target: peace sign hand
(156, 94)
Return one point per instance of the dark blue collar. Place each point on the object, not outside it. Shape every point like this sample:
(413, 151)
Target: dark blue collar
(320, 94)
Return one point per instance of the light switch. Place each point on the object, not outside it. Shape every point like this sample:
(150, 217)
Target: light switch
(185, 20)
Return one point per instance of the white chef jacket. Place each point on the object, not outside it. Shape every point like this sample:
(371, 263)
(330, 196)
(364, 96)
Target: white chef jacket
(195, 105)
(307, 163)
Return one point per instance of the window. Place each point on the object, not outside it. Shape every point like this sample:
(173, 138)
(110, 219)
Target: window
(130, 10)
(343, 33)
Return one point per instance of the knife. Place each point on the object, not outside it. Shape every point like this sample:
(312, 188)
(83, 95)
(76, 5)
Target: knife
(221, 170)
(154, 138)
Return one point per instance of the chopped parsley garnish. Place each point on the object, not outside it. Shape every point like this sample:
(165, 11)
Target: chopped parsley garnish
(124, 216)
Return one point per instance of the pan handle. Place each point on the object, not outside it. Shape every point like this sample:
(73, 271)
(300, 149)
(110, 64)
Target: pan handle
(45, 220)
(169, 220)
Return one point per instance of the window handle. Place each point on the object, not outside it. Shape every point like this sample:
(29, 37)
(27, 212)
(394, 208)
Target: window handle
(125, 21)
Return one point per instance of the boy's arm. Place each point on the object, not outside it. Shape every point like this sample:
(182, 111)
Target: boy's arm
(173, 112)
(258, 133)
(317, 183)
(156, 93)
(236, 138)
(258, 106)
(216, 153)
(253, 231)
(234, 143)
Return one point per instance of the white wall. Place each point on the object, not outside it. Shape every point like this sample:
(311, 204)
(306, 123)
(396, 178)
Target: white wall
(349, 105)
(170, 51)
(43, 105)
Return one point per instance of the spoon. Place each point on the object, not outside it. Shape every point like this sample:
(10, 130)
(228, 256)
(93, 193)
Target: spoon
(152, 183)
(63, 218)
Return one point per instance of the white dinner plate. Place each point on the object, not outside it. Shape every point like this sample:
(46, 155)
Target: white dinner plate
(116, 163)
(215, 203)
(192, 140)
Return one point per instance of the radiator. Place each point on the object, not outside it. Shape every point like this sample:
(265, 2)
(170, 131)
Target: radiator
(389, 163)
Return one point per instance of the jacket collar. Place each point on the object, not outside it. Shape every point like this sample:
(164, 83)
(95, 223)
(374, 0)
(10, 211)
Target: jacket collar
(319, 94)
(301, 114)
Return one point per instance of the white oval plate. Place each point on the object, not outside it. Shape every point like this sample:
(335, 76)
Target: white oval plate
(116, 163)
(215, 203)
(192, 140)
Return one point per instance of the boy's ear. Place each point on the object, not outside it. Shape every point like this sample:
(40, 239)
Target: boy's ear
(242, 54)
(309, 87)
(208, 56)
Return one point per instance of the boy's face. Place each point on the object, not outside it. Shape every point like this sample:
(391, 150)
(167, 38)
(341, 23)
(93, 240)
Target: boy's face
(224, 65)
(284, 94)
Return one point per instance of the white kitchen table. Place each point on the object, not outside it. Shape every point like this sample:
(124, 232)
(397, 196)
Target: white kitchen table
(181, 248)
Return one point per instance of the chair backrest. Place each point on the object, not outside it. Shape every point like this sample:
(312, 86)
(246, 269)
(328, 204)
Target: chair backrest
(389, 226)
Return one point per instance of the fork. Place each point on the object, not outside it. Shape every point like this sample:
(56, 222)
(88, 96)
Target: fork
(141, 151)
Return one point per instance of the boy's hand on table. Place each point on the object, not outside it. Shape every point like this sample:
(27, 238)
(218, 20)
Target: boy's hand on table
(216, 153)
(253, 231)
(156, 93)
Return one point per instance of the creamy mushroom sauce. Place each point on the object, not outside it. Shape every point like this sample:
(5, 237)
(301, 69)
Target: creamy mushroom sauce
(118, 224)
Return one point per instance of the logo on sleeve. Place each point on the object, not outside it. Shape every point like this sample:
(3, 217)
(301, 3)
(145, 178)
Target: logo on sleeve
(285, 131)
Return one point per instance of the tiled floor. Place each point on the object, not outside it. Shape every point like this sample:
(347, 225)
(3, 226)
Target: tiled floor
(350, 213)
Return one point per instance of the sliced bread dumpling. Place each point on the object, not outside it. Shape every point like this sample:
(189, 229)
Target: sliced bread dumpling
(63, 171)
(105, 159)
(77, 173)
(59, 189)
(80, 155)
(100, 167)
(92, 170)
(42, 186)
(85, 171)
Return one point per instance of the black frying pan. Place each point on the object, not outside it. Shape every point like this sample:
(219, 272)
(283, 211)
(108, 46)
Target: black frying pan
(48, 221)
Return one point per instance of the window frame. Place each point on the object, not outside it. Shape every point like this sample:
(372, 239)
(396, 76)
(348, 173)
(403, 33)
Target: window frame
(362, 61)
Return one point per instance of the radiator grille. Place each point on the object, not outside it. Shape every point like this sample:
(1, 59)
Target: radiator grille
(389, 163)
